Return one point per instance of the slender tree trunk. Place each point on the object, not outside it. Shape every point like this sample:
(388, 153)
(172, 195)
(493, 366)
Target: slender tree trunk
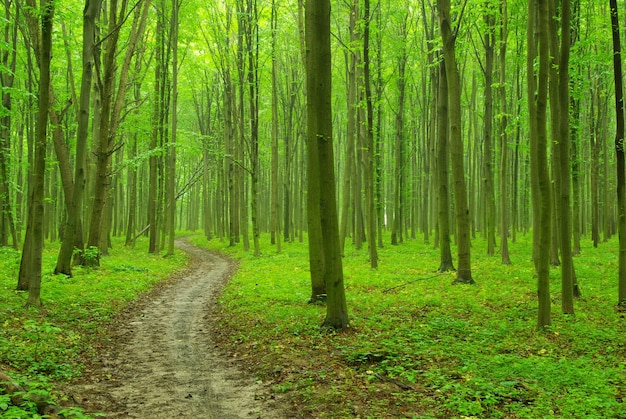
(464, 269)
(504, 147)
(619, 153)
(369, 151)
(565, 211)
(275, 202)
(31, 261)
(158, 103)
(443, 165)
(400, 163)
(171, 150)
(7, 79)
(488, 172)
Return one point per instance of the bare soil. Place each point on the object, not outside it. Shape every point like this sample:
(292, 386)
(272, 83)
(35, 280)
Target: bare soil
(164, 358)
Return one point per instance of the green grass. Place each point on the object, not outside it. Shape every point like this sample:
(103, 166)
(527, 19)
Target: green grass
(41, 347)
(428, 348)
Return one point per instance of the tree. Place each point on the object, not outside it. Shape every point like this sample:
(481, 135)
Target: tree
(538, 21)
(369, 151)
(443, 166)
(171, 151)
(504, 147)
(319, 128)
(31, 262)
(619, 152)
(464, 268)
(90, 14)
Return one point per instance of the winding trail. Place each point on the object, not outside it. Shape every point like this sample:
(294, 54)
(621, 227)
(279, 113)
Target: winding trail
(163, 362)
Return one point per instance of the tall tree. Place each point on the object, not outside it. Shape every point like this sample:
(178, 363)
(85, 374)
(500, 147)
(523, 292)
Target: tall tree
(171, 150)
(565, 211)
(8, 60)
(504, 147)
(619, 152)
(443, 166)
(319, 128)
(369, 152)
(317, 254)
(488, 173)
(538, 21)
(275, 202)
(90, 13)
(449, 35)
(31, 262)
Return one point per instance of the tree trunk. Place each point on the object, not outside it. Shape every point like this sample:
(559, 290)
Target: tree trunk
(399, 169)
(31, 261)
(464, 269)
(73, 227)
(275, 202)
(313, 205)
(369, 146)
(443, 165)
(170, 185)
(539, 155)
(565, 212)
(504, 147)
(619, 154)
(319, 118)
(488, 191)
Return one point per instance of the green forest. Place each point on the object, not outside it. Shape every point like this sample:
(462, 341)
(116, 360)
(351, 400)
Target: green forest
(425, 200)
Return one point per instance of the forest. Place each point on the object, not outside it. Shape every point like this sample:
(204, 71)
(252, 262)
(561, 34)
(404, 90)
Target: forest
(410, 175)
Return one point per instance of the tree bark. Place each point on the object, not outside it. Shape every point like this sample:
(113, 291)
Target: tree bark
(443, 165)
(319, 126)
(32, 261)
(539, 155)
(504, 147)
(73, 226)
(619, 153)
(464, 269)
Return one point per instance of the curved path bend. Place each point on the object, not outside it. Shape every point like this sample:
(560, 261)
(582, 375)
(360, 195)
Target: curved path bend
(163, 363)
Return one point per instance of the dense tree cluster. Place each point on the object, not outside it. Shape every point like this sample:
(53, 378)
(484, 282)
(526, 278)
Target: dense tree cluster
(447, 121)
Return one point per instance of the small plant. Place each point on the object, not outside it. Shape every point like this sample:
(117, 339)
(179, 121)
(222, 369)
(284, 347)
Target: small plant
(88, 257)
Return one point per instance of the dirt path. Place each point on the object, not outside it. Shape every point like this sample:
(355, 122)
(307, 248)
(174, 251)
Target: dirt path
(163, 362)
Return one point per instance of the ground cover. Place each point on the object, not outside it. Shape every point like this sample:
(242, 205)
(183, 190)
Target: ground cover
(42, 348)
(423, 348)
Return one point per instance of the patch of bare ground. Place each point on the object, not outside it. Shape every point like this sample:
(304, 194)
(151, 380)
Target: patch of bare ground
(162, 356)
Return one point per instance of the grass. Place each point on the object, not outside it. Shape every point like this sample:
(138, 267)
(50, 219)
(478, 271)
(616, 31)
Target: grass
(423, 348)
(39, 348)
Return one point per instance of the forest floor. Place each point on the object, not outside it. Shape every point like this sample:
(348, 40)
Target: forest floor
(164, 358)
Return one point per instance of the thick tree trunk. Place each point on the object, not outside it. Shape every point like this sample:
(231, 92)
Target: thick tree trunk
(319, 118)
(544, 199)
(73, 229)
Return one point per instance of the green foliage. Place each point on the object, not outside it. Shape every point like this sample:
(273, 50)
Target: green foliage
(40, 348)
(428, 348)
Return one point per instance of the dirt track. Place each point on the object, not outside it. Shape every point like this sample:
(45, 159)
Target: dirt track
(163, 362)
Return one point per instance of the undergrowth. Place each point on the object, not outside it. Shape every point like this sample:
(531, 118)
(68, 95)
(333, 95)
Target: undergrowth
(420, 347)
(39, 348)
